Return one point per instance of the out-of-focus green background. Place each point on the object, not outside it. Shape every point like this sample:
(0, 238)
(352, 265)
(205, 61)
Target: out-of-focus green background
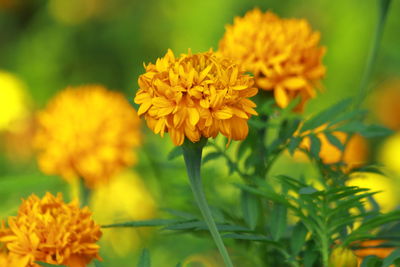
(52, 44)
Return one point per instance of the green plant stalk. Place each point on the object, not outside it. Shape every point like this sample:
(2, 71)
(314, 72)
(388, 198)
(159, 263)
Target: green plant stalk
(192, 153)
(84, 193)
(363, 89)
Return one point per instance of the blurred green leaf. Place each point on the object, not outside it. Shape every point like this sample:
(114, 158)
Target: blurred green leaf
(293, 144)
(371, 261)
(144, 260)
(315, 146)
(44, 264)
(250, 209)
(175, 152)
(278, 218)
(391, 258)
(146, 223)
(251, 237)
(298, 238)
(334, 140)
(211, 156)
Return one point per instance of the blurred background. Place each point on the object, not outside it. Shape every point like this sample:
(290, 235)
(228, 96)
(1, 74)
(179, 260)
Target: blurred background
(47, 45)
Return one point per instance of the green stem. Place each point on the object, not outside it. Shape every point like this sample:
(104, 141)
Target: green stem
(84, 192)
(192, 153)
(363, 90)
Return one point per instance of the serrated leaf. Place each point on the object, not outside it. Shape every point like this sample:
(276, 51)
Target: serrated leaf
(211, 156)
(175, 152)
(325, 115)
(334, 140)
(145, 223)
(298, 238)
(250, 209)
(144, 260)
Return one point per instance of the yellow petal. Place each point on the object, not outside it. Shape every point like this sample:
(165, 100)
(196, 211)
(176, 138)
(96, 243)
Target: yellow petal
(281, 97)
(294, 83)
(223, 114)
(194, 116)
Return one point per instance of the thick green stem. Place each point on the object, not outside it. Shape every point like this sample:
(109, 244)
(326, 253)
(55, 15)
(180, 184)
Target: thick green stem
(192, 153)
(363, 90)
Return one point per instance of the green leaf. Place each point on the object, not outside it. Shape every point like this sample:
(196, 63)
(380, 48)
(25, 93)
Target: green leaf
(325, 115)
(251, 237)
(307, 190)
(175, 152)
(144, 260)
(293, 144)
(146, 223)
(250, 209)
(334, 141)
(391, 258)
(179, 265)
(278, 218)
(315, 146)
(371, 261)
(211, 156)
(376, 131)
(298, 238)
(310, 256)
(44, 264)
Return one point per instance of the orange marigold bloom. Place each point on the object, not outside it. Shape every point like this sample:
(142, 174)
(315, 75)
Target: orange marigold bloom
(386, 104)
(51, 231)
(283, 54)
(87, 132)
(196, 95)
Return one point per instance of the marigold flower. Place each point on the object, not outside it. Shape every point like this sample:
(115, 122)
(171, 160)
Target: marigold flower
(389, 153)
(387, 196)
(51, 231)
(87, 132)
(130, 201)
(196, 95)
(283, 54)
(14, 101)
(371, 248)
(343, 257)
(386, 104)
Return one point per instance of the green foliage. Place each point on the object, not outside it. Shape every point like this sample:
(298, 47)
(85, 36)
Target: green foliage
(144, 260)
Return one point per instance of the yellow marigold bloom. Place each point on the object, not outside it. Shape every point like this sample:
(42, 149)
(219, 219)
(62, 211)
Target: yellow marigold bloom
(130, 201)
(196, 95)
(387, 196)
(389, 153)
(343, 257)
(87, 132)
(51, 231)
(283, 54)
(13, 101)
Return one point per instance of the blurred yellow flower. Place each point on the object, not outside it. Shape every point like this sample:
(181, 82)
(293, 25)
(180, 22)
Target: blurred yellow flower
(386, 104)
(386, 198)
(51, 231)
(283, 54)
(389, 153)
(202, 260)
(13, 101)
(196, 95)
(130, 201)
(343, 257)
(87, 132)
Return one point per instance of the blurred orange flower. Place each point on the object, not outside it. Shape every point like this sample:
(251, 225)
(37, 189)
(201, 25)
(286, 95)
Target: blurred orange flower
(354, 155)
(51, 231)
(386, 104)
(371, 248)
(283, 54)
(87, 132)
(196, 95)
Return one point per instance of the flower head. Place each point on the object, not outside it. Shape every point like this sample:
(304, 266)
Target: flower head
(87, 132)
(283, 54)
(196, 95)
(51, 231)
